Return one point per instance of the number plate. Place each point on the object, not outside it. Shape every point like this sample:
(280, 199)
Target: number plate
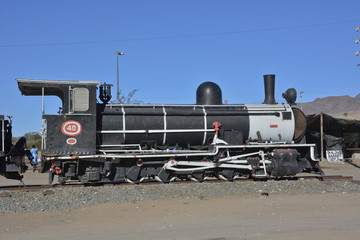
(71, 128)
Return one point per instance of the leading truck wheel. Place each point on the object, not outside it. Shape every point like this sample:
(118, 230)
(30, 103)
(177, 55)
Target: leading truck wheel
(51, 177)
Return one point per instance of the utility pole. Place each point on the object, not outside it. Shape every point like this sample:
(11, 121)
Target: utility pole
(357, 53)
(117, 67)
(322, 135)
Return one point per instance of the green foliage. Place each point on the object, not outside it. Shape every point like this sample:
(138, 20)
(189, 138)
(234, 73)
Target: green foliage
(345, 114)
(14, 139)
(33, 138)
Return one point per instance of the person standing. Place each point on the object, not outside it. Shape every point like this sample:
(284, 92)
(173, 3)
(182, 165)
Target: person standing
(34, 153)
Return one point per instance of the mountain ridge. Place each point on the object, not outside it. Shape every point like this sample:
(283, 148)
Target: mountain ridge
(337, 106)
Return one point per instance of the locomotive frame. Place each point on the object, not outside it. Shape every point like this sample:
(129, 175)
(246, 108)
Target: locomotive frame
(100, 142)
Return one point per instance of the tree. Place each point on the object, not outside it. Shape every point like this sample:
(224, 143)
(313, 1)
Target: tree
(33, 138)
(128, 99)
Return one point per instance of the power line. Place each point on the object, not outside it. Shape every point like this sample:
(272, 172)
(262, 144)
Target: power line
(180, 36)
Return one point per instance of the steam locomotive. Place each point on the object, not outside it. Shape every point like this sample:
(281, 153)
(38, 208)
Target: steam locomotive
(97, 142)
(12, 157)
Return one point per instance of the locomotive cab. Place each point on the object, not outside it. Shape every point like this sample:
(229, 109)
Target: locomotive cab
(72, 131)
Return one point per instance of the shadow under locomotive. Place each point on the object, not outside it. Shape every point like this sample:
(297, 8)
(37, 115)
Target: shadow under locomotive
(101, 142)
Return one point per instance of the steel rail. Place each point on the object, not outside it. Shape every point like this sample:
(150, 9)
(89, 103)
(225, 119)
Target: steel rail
(153, 182)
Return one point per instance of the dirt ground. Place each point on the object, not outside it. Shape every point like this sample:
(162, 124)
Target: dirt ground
(278, 216)
(311, 216)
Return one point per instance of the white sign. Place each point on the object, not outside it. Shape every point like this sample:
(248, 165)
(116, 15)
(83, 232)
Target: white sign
(334, 155)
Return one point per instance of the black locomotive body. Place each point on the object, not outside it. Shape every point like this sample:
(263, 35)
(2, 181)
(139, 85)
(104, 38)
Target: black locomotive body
(12, 157)
(100, 142)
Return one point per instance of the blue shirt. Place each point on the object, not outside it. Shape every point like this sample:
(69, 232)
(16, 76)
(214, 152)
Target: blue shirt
(34, 152)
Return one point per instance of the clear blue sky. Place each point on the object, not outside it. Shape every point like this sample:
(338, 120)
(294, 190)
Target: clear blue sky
(173, 46)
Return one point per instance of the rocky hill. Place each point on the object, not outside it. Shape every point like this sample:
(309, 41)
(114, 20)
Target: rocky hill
(339, 106)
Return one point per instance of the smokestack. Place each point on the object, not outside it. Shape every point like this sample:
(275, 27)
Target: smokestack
(269, 84)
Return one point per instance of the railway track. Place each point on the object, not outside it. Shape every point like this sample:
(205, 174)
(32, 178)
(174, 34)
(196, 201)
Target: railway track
(53, 186)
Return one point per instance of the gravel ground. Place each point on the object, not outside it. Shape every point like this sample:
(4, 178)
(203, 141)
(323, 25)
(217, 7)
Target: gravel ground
(73, 197)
